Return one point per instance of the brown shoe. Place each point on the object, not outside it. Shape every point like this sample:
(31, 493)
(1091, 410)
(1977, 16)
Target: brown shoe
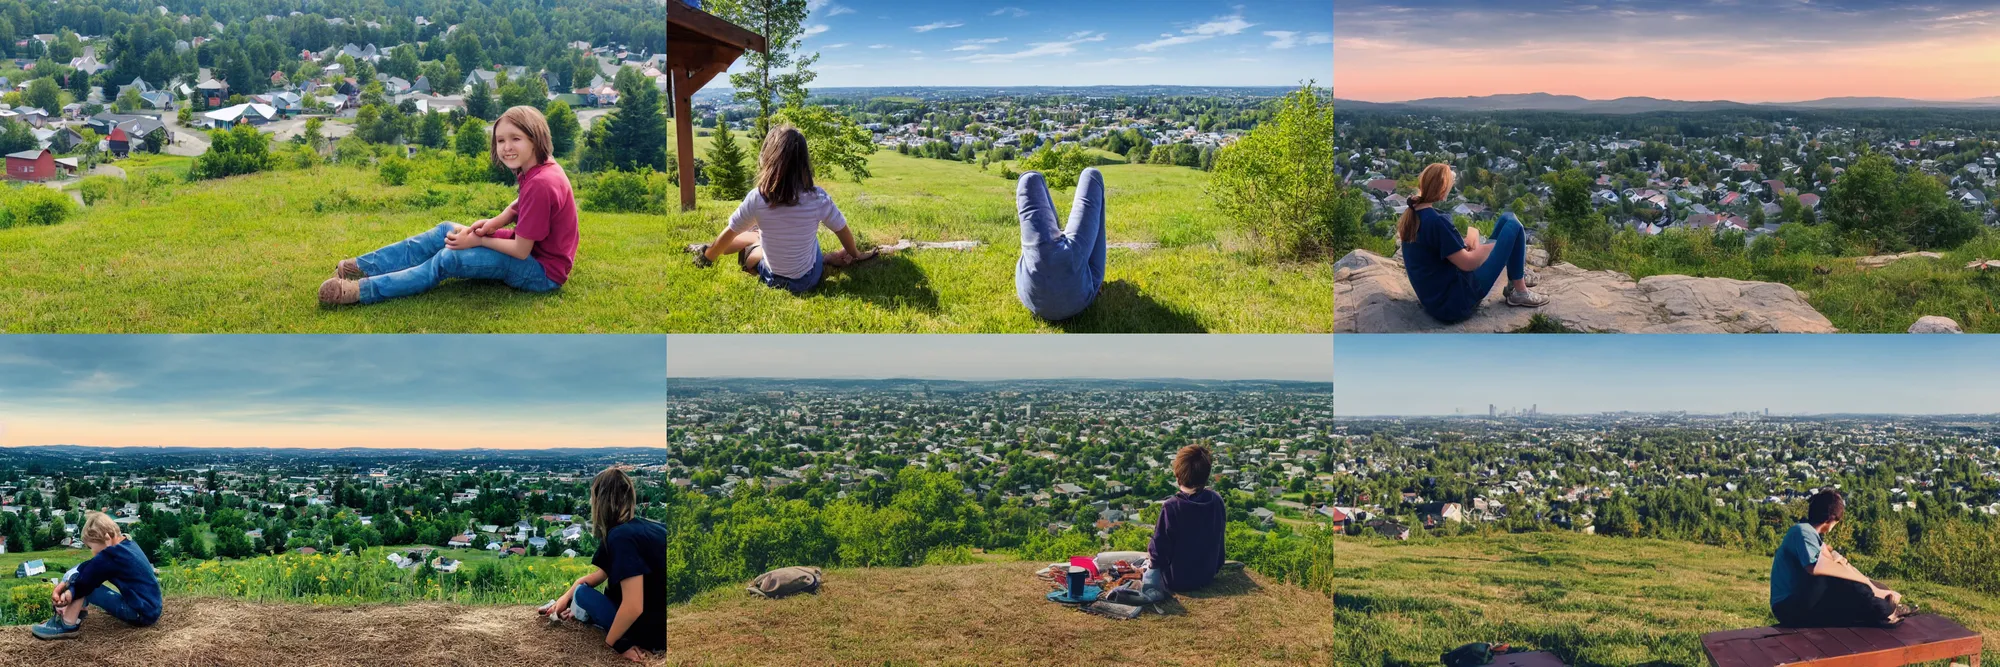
(337, 291)
(349, 269)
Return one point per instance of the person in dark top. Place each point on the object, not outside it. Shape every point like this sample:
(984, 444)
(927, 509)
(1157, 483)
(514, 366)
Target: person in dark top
(631, 556)
(1186, 550)
(1814, 586)
(1452, 274)
(113, 560)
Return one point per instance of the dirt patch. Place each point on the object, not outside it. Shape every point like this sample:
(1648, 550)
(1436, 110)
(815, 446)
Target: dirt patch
(994, 614)
(223, 633)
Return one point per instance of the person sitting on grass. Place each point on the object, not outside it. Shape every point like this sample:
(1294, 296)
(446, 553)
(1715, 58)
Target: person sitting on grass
(113, 560)
(1186, 549)
(631, 556)
(774, 233)
(1814, 586)
(1452, 275)
(535, 256)
(1061, 270)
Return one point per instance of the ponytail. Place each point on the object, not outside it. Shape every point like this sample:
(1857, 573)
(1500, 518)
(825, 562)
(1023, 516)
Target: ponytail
(1432, 186)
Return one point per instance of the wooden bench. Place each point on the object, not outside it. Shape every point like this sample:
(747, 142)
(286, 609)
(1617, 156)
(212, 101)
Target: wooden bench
(1530, 659)
(1920, 638)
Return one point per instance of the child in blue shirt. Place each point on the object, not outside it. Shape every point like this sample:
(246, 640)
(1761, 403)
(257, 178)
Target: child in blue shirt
(114, 560)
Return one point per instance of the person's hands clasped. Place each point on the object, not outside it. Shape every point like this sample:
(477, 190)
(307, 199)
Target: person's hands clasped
(1472, 237)
(462, 238)
(487, 226)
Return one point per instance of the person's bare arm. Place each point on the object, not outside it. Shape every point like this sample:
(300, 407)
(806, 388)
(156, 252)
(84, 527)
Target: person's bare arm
(849, 251)
(517, 248)
(631, 604)
(596, 576)
(1831, 564)
(497, 222)
(714, 250)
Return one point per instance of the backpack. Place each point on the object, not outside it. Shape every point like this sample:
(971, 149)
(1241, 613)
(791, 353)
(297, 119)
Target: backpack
(786, 581)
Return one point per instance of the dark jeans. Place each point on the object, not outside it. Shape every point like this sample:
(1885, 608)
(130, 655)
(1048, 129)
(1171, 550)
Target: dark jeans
(113, 603)
(596, 607)
(1832, 602)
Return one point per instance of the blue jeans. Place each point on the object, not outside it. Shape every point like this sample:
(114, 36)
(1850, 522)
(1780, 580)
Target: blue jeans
(597, 609)
(113, 603)
(1510, 251)
(799, 285)
(1060, 272)
(417, 264)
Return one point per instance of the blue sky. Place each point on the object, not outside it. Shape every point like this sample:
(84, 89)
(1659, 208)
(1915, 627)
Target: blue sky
(1434, 374)
(1742, 50)
(1004, 356)
(437, 391)
(1069, 42)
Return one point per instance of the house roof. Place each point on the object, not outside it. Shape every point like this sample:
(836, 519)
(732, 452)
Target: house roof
(32, 154)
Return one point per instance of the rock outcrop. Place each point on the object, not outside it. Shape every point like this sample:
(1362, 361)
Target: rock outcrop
(1879, 261)
(1372, 294)
(1936, 324)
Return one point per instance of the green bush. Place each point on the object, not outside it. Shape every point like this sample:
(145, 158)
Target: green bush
(1061, 166)
(394, 171)
(27, 604)
(626, 192)
(232, 152)
(351, 150)
(1278, 182)
(37, 205)
(98, 188)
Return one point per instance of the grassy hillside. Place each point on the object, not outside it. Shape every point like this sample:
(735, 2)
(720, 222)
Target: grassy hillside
(1203, 277)
(1595, 601)
(247, 254)
(993, 613)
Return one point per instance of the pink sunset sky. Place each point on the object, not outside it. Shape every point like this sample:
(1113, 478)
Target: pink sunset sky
(1749, 51)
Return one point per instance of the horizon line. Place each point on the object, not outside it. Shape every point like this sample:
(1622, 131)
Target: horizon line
(335, 449)
(1670, 99)
(1539, 413)
(990, 379)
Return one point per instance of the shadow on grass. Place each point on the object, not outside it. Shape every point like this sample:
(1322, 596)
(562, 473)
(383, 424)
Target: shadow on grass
(889, 282)
(1122, 308)
(471, 295)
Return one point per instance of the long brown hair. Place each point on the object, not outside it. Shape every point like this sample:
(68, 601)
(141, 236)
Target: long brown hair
(1431, 189)
(613, 500)
(784, 168)
(532, 123)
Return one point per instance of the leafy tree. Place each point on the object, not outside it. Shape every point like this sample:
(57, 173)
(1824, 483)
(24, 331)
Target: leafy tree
(1871, 202)
(563, 128)
(471, 139)
(128, 100)
(1061, 166)
(314, 136)
(238, 150)
(43, 94)
(728, 177)
(431, 133)
(479, 102)
(833, 140)
(782, 23)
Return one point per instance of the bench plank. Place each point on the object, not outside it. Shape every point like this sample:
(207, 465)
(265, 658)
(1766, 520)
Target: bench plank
(1921, 638)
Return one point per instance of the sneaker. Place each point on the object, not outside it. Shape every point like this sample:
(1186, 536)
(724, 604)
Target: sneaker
(1525, 297)
(1905, 609)
(338, 291)
(349, 269)
(700, 252)
(55, 628)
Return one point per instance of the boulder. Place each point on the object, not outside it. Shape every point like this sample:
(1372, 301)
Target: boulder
(1879, 261)
(1935, 324)
(1372, 294)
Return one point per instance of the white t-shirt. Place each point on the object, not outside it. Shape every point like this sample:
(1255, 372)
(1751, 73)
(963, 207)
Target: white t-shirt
(790, 233)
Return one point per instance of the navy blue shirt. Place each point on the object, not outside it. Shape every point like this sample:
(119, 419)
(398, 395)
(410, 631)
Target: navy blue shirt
(638, 548)
(1187, 540)
(1792, 567)
(1446, 292)
(125, 566)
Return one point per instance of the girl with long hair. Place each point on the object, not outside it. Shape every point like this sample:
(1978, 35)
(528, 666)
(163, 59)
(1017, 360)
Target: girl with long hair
(774, 233)
(1453, 274)
(631, 560)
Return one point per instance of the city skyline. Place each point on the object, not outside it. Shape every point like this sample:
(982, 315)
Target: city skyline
(1002, 357)
(1444, 374)
(1051, 43)
(305, 391)
(1398, 50)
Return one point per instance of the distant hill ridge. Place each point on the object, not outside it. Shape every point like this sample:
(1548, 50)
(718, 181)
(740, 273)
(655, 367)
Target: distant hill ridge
(1550, 102)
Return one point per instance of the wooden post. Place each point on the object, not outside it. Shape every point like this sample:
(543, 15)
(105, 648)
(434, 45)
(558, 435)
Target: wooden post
(683, 132)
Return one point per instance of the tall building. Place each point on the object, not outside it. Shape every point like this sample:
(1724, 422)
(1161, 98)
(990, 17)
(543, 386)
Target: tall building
(1491, 411)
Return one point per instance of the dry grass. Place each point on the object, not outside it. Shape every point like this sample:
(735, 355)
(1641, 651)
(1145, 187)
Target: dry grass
(221, 633)
(994, 614)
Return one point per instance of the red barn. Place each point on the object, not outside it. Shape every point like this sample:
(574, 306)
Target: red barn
(31, 165)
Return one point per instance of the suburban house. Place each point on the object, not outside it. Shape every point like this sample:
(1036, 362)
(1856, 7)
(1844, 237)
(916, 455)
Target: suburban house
(30, 569)
(213, 92)
(248, 112)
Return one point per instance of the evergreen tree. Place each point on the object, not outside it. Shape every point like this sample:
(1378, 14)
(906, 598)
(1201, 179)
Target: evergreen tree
(728, 178)
(636, 132)
(479, 102)
(432, 132)
(563, 127)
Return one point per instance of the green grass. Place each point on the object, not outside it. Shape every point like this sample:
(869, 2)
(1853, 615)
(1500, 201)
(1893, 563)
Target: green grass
(1594, 601)
(1205, 276)
(247, 254)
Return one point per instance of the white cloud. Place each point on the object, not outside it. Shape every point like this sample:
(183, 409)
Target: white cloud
(828, 5)
(1017, 12)
(1282, 39)
(1225, 25)
(878, 46)
(934, 26)
(970, 47)
(990, 40)
(841, 45)
(100, 382)
(813, 29)
(1319, 38)
(1037, 50)
(1120, 61)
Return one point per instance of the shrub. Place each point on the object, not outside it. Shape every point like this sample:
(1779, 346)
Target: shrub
(97, 188)
(626, 192)
(27, 604)
(394, 171)
(36, 205)
(235, 151)
(1061, 166)
(351, 150)
(1278, 182)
